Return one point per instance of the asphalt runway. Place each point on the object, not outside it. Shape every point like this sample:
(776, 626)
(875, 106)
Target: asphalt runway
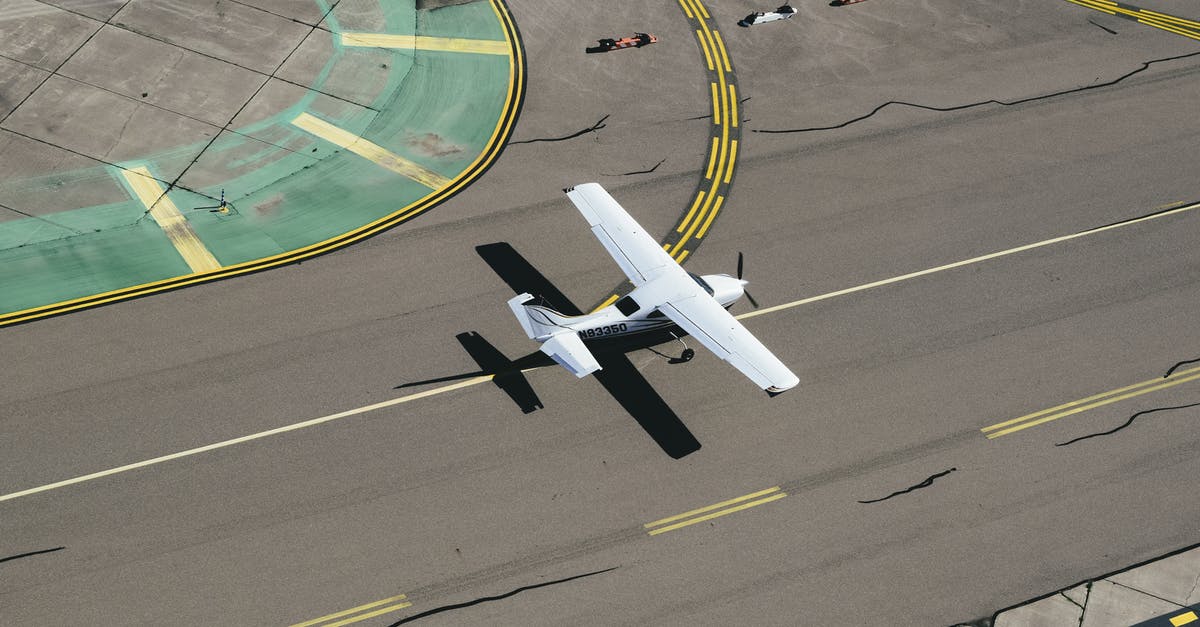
(460, 497)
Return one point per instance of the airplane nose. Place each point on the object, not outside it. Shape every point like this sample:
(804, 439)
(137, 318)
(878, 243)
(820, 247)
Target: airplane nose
(744, 282)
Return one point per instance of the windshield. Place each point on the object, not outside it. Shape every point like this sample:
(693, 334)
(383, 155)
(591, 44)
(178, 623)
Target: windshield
(708, 288)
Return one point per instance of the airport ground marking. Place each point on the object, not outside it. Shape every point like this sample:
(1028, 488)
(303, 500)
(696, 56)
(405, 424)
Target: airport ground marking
(360, 617)
(369, 150)
(1185, 618)
(485, 378)
(716, 510)
(176, 227)
(421, 42)
(1091, 402)
(1162, 21)
(967, 262)
(248, 438)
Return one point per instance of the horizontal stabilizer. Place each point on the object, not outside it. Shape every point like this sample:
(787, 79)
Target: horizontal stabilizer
(568, 350)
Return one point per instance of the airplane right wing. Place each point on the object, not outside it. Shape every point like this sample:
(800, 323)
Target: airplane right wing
(714, 327)
(640, 257)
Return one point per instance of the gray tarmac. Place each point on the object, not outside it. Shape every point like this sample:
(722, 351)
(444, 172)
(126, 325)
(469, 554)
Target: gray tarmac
(461, 496)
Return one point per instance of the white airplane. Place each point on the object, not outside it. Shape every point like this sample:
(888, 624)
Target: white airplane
(665, 296)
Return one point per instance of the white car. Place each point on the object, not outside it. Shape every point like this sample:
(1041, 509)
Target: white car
(782, 13)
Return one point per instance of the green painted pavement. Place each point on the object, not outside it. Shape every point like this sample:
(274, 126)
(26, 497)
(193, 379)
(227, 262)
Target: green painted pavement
(287, 190)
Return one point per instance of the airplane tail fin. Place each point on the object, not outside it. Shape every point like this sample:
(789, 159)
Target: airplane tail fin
(538, 321)
(559, 342)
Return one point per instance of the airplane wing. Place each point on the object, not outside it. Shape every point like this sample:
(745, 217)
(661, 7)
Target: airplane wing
(707, 321)
(640, 257)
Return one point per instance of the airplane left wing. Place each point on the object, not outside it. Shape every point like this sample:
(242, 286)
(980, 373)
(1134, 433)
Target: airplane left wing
(707, 321)
(634, 250)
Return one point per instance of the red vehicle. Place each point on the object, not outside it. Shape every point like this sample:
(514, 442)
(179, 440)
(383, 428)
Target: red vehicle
(636, 41)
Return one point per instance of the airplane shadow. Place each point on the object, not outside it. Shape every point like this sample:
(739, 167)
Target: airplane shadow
(617, 376)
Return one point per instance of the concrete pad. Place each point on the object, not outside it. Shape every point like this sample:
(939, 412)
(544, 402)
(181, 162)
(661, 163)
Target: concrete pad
(40, 35)
(357, 75)
(117, 128)
(98, 9)
(1111, 604)
(308, 13)
(360, 15)
(1175, 578)
(171, 77)
(37, 179)
(228, 31)
(1051, 611)
(16, 82)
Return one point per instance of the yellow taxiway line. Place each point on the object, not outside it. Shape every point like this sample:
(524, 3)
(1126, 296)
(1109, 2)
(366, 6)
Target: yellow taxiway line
(420, 42)
(360, 617)
(167, 215)
(707, 512)
(368, 150)
(1091, 402)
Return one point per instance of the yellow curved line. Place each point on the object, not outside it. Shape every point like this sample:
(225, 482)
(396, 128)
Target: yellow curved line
(299, 254)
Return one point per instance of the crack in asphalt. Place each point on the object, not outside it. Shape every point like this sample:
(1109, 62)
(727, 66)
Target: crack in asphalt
(595, 127)
(1145, 66)
(1176, 366)
(1126, 424)
(639, 171)
(1099, 25)
(457, 606)
(924, 484)
(709, 115)
(30, 554)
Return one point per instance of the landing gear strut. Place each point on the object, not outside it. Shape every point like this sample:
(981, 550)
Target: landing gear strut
(683, 357)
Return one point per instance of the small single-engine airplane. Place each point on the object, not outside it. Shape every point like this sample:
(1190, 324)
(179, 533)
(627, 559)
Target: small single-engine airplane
(665, 297)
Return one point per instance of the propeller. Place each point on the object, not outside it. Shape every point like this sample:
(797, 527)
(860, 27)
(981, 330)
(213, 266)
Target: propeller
(744, 290)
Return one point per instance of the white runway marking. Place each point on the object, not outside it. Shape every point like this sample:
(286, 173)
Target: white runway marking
(481, 379)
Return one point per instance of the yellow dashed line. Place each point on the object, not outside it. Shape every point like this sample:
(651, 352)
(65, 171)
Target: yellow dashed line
(723, 508)
(683, 255)
(1075, 407)
(353, 610)
(692, 211)
(733, 106)
(712, 214)
(172, 222)
(368, 150)
(704, 47)
(732, 158)
(418, 42)
(688, 12)
(1184, 619)
(720, 46)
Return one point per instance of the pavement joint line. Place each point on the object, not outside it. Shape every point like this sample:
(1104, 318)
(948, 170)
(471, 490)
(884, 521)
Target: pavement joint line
(167, 215)
(370, 151)
(421, 42)
(485, 378)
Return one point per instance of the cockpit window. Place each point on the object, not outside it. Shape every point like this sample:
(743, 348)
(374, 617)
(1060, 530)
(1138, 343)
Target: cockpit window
(708, 288)
(627, 306)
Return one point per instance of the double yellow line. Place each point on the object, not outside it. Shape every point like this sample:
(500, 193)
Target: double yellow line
(1170, 23)
(353, 615)
(715, 510)
(1091, 402)
(723, 152)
